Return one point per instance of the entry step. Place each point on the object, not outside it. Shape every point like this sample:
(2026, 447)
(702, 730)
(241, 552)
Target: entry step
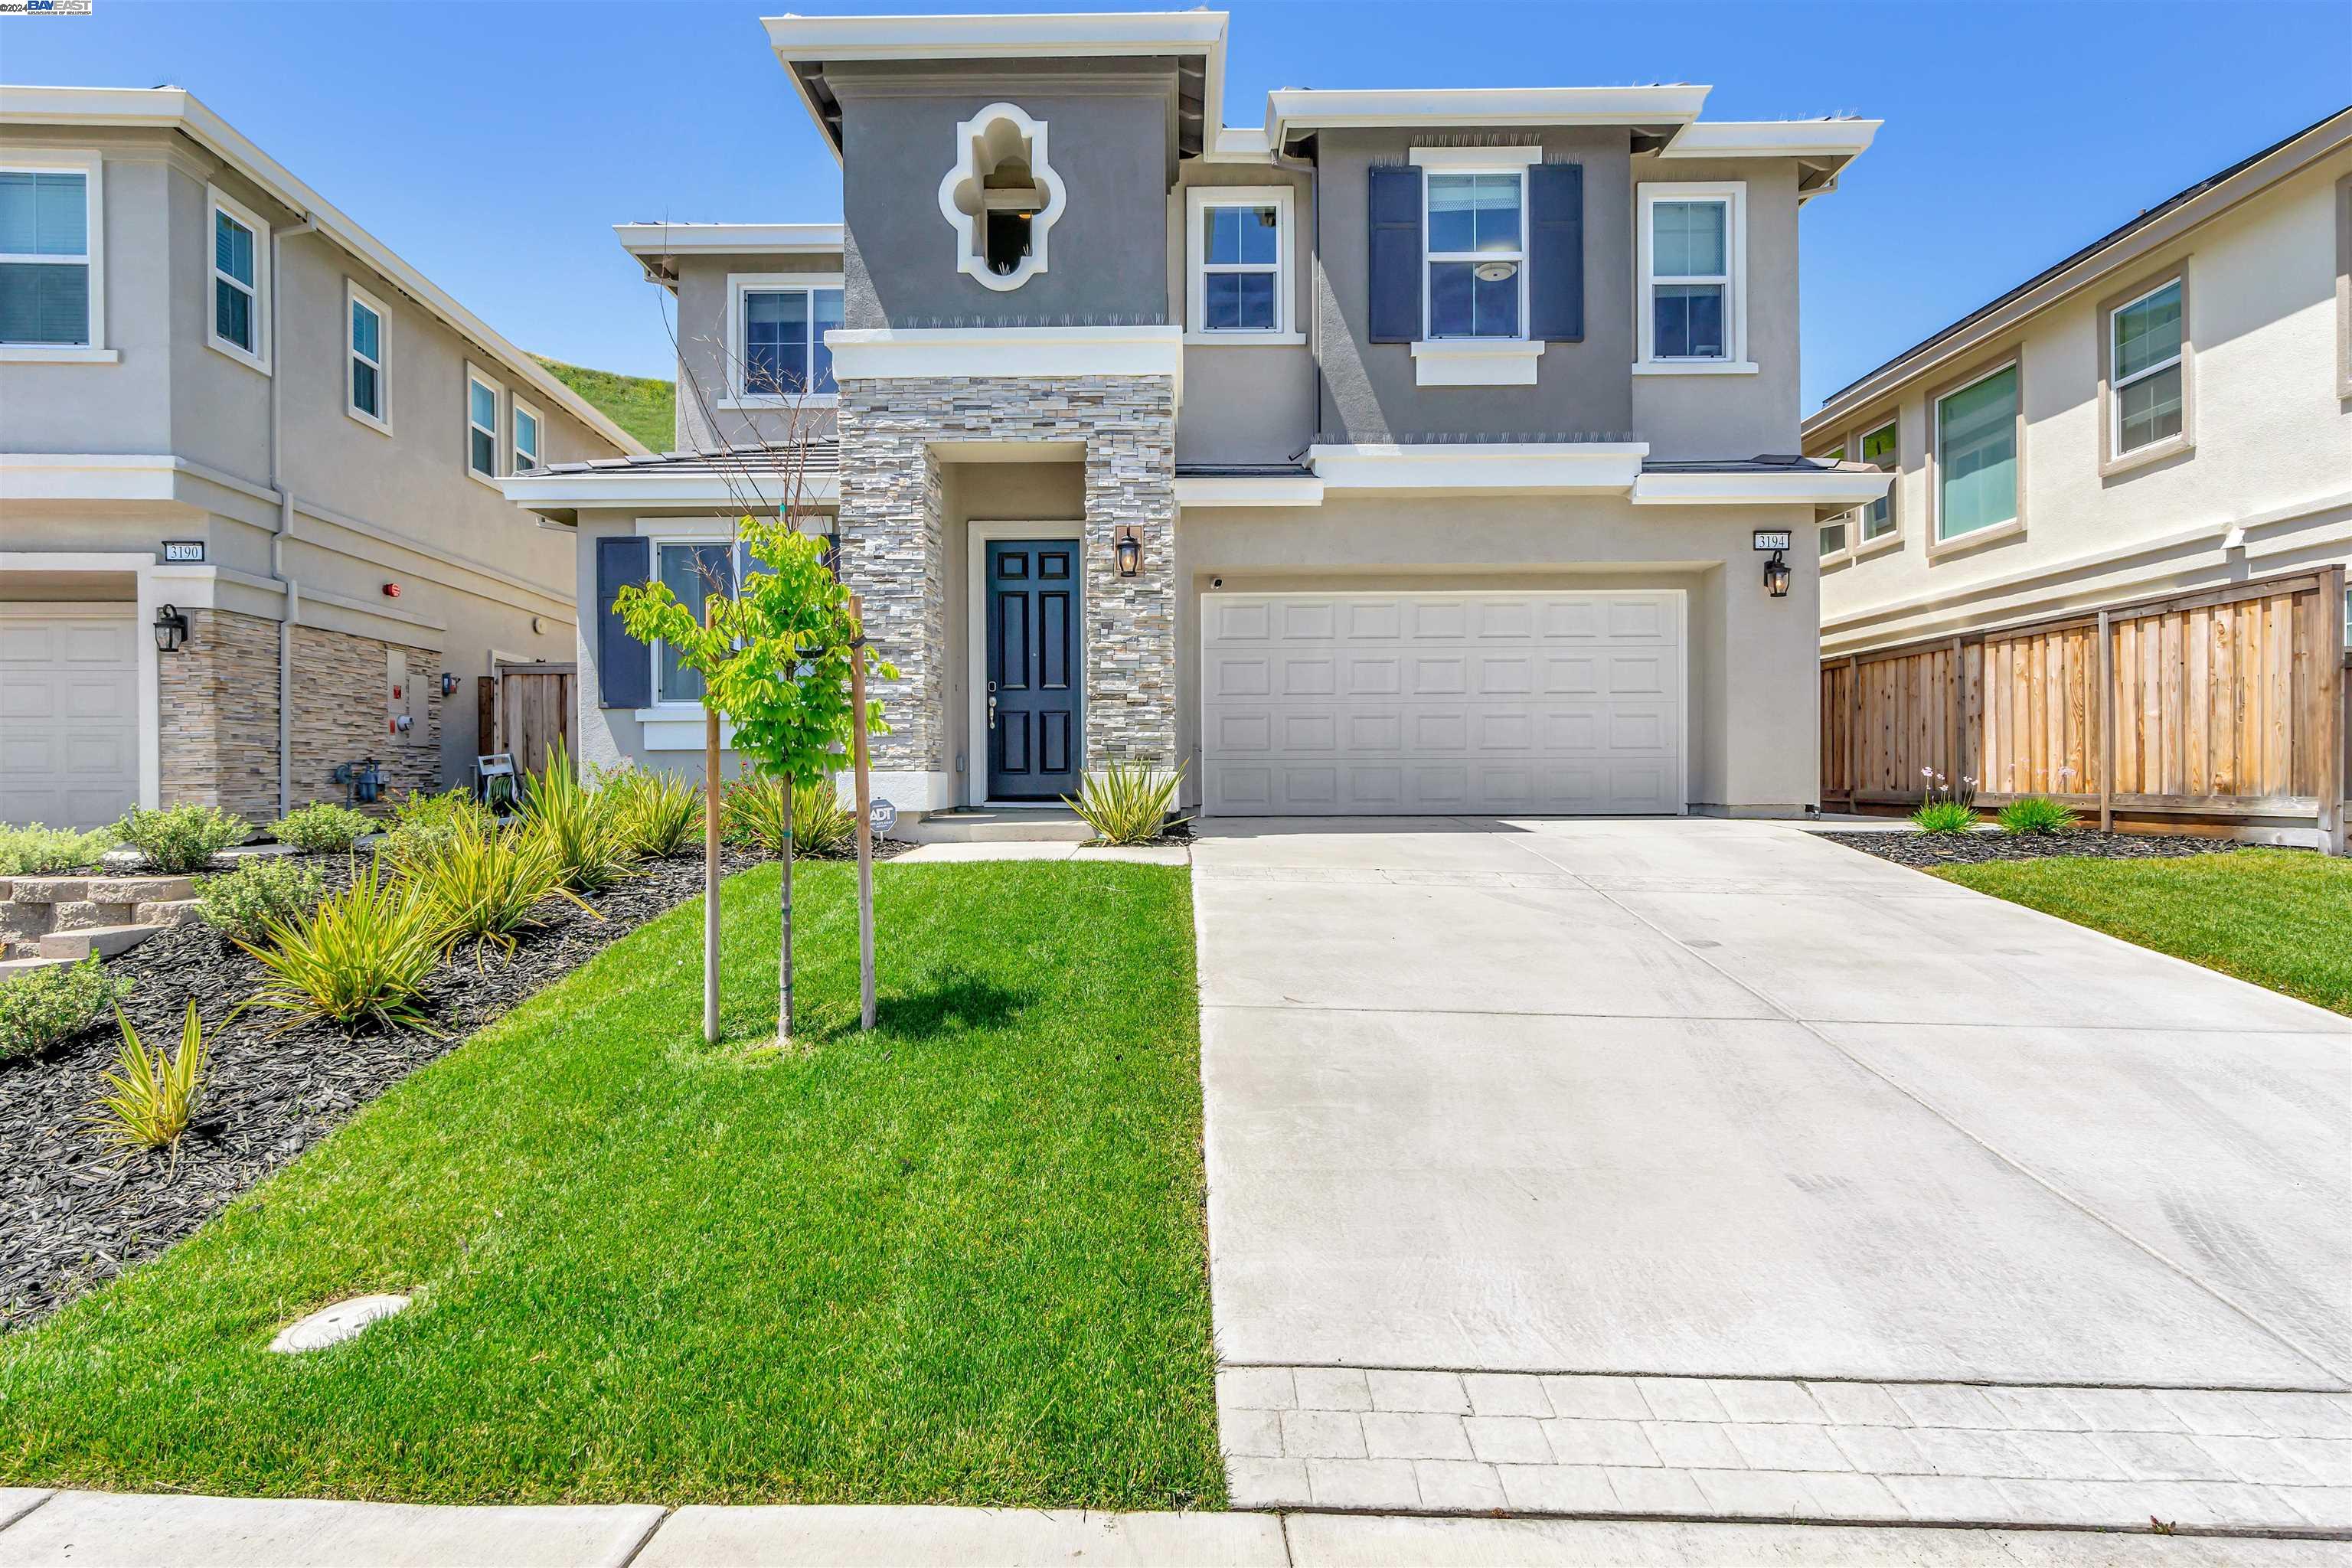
(1041, 824)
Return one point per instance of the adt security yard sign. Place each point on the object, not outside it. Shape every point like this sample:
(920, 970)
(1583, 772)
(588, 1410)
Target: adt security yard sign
(882, 816)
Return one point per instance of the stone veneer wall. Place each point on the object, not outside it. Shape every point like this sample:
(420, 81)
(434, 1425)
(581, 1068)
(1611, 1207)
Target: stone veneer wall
(339, 716)
(219, 702)
(893, 545)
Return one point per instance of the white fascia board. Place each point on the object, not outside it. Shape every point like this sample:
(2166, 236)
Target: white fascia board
(1525, 468)
(1810, 139)
(1794, 489)
(1239, 144)
(549, 493)
(172, 108)
(1248, 489)
(886, 353)
(121, 477)
(1307, 108)
(729, 238)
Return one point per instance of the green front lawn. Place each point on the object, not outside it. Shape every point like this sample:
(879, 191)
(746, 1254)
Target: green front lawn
(959, 1260)
(2277, 917)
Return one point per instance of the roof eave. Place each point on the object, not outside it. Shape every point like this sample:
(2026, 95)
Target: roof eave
(1301, 109)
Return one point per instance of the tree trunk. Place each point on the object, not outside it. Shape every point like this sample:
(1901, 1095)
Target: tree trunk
(784, 941)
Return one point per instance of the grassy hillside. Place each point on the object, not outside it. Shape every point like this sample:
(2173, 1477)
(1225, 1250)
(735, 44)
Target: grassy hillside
(642, 407)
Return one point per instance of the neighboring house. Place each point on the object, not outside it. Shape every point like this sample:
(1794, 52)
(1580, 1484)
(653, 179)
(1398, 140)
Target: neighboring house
(1406, 453)
(2110, 565)
(218, 393)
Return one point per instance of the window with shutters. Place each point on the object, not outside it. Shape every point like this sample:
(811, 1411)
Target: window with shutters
(239, 318)
(1690, 270)
(1239, 242)
(52, 294)
(1475, 267)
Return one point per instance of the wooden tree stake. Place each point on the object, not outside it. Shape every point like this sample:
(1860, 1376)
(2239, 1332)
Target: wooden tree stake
(864, 819)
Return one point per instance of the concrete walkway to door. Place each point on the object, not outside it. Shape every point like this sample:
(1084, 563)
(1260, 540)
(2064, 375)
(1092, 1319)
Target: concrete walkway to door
(1668, 1167)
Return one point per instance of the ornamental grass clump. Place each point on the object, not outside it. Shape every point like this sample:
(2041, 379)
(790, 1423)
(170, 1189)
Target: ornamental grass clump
(243, 903)
(2036, 814)
(582, 823)
(484, 885)
(660, 813)
(1127, 802)
(322, 828)
(1944, 808)
(752, 815)
(155, 1097)
(362, 957)
(421, 824)
(39, 851)
(52, 1003)
(183, 838)
(821, 823)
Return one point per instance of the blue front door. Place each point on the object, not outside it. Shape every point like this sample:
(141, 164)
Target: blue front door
(1033, 665)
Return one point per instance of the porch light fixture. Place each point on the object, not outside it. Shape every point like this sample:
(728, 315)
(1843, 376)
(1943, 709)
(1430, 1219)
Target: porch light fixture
(1776, 576)
(1130, 551)
(171, 629)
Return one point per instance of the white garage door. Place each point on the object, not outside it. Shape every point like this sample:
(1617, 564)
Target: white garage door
(1338, 704)
(68, 716)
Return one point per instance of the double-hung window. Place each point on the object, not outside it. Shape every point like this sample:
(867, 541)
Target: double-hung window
(1692, 259)
(1475, 276)
(526, 426)
(483, 396)
(1976, 453)
(367, 399)
(49, 293)
(1881, 449)
(240, 282)
(693, 572)
(1240, 242)
(776, 345)
(2146, 395)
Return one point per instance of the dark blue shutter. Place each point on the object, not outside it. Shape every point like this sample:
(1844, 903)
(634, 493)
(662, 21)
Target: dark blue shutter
(624, 669)
(1395, 263)
(1556, 252)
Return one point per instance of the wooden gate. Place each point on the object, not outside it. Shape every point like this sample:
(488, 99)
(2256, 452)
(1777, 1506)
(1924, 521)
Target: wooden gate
(2225, 703)
(525, 709)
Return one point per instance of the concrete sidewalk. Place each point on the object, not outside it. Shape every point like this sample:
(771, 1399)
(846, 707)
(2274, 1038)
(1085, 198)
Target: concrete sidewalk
(96, 1530)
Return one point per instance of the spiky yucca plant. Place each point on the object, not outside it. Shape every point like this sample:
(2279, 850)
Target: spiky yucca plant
(485, 884)
(155, 1097)
(1127, 802)
(821, 823)
(362, 956)
(585, 826)
(660, 813)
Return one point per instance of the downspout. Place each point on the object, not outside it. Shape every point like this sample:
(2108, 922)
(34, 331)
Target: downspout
(293, 599)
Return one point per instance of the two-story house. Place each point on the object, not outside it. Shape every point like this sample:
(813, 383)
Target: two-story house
(1411, 451)
(250, 531)
(2111, 563)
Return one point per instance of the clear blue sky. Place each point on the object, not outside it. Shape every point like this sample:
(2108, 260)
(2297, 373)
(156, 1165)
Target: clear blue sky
(491, 144)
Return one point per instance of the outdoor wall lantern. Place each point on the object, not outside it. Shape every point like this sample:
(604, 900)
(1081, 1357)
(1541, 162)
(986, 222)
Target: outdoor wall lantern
(1776, 576)
(171, 629)
(1130, 551)
(448, 685)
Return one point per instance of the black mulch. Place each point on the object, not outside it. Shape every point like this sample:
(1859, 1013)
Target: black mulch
(1928, 850)
(71, 1217)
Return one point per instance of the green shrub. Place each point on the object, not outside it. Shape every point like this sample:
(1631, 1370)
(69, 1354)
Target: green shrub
(484, 885)
(361, 956)
(1943, 816)
(421, 824)
(241, 904)
(322, 828)
(155, 1096)
(52, 1003)
(585, 826)
(660, 813)
(39, 851)
(1127, 802)
(183, 838)
(2036, 814)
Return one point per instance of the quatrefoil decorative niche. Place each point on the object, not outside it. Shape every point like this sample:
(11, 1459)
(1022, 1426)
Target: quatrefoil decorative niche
(1002, 197)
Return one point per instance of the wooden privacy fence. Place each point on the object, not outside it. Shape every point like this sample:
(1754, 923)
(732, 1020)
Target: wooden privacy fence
(2225, 703)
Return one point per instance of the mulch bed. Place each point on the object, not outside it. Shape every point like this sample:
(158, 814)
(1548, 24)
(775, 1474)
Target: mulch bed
(1932, 849)
(71, 1217)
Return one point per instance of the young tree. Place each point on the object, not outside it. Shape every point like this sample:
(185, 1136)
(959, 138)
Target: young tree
(775, 660)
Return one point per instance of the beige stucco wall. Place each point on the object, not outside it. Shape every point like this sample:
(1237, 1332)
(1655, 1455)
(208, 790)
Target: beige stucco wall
(2273, 442)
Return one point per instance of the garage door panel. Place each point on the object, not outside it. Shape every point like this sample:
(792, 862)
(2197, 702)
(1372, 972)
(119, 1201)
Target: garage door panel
(69, 692)
(1442, 703)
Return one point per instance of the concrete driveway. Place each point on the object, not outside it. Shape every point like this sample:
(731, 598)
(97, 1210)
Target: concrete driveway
(1715, 1100)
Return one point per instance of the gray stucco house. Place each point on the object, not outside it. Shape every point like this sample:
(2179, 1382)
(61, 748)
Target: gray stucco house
(1409, 452)
(225, 405)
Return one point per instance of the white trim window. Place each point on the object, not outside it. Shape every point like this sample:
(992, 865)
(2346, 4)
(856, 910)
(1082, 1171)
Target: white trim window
(693, 569)
(1239, 247)
(1691, 279)
(366, 396)
(52, 286)
(776, 352)
(237, 315)
(1882, 449)
(1976, 453)
(483, 396)
(530, 435)
(1474, 225)
(2145, 335)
